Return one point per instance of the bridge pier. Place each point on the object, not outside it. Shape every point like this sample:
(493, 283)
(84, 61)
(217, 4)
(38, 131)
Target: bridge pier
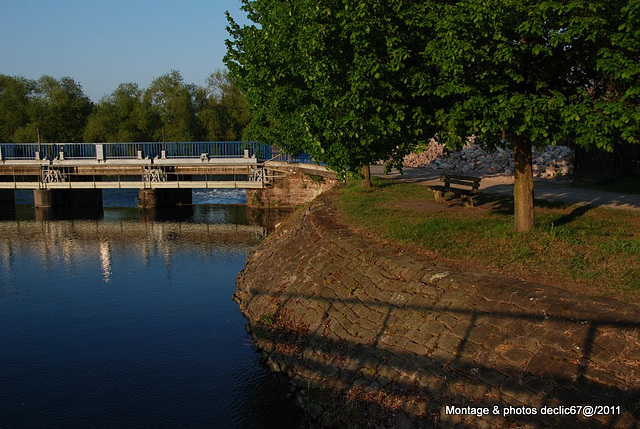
(151, 198)
(53, 198)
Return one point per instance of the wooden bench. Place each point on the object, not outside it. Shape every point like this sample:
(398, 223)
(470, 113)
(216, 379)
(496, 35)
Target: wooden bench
(467, 188)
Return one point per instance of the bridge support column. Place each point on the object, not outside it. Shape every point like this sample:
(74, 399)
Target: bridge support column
(52, 198)
(151, 198)
(43, 198)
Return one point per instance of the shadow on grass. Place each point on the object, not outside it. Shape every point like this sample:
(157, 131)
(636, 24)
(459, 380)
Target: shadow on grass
(504, 206)
(570, 217)
(383, 183)
(498, 204)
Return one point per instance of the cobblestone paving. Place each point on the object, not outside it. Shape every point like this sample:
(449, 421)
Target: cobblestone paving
(338, 312)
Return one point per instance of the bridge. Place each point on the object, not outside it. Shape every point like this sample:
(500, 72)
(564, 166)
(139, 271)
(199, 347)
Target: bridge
(74, 174)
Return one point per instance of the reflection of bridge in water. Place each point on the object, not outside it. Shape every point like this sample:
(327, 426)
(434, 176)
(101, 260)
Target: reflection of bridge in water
(74, 242)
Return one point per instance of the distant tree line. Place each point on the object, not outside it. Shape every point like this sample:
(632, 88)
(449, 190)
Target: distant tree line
(57, 110)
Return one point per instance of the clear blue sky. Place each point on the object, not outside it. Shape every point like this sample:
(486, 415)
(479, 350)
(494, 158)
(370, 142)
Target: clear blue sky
(101, 44)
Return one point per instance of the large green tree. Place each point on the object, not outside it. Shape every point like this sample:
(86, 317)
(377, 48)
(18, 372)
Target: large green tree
(224, 112)
(60, 110)
(16, 94)
(123, 116)
(353, 82)
(176, 104)
(335, 78)
(540, 70)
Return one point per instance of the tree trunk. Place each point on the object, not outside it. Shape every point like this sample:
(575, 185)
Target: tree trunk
(523, 185)
(366, 176)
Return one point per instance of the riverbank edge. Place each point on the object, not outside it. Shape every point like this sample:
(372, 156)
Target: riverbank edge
(364, 331)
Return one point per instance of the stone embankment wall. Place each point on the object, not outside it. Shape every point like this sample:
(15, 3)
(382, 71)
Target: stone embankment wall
(291, 185)
(373, 335)
(549, 163)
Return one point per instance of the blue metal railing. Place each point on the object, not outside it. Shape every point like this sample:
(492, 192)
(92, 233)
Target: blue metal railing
(121, 150)
(77, 150)
(21, 151)
(225, 149)
(18, 151)
(278, 154)
(151, 150)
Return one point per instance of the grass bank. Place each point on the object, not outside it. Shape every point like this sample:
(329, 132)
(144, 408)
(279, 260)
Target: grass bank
(583, 249)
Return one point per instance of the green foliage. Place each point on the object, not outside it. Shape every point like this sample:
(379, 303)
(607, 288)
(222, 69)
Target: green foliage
(16, 94)
(224, 114)
(56, 107)
(353, 82)
(338, 79)
(174, 103)
(123, 116)
(58, 111)
(550, 70)
(357, 81)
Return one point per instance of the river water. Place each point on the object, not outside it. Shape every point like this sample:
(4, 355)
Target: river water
(124, 321)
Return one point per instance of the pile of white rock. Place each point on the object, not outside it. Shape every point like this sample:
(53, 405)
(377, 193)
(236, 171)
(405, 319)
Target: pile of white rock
(552, 162)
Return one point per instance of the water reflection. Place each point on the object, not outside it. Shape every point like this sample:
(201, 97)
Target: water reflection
(7, 255)
(167, 214)
(105, 260)
(164, 336)
(67, 213)
(70, 243)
